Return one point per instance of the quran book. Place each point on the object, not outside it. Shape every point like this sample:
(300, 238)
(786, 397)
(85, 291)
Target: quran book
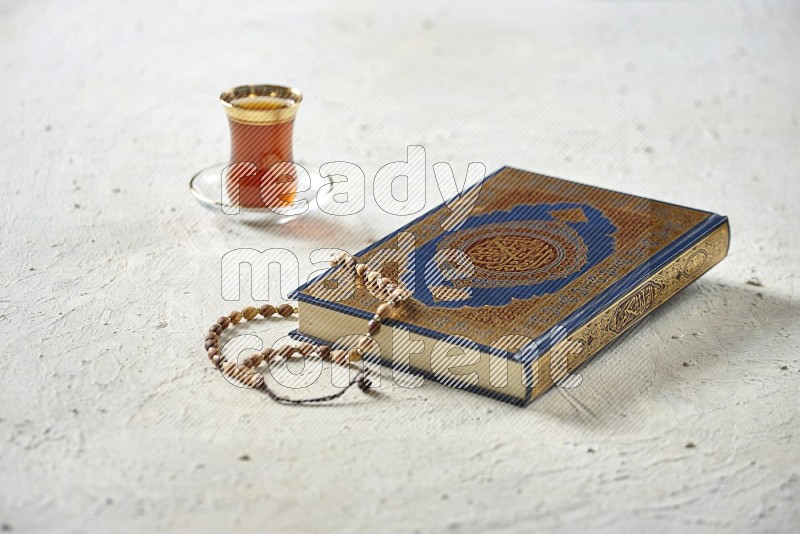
(515, 283)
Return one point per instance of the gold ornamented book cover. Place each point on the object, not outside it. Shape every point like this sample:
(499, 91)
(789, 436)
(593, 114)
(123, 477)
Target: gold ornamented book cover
(516, 282)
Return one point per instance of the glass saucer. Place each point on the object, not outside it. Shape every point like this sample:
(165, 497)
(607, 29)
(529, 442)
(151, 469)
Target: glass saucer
(208, 189)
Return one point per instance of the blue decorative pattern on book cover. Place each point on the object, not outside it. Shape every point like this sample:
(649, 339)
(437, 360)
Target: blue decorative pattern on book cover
(529, 250)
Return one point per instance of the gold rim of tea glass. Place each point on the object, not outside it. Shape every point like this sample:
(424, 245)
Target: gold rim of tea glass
(260, 116)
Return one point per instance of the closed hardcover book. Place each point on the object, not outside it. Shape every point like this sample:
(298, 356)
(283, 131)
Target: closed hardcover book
(516, 282)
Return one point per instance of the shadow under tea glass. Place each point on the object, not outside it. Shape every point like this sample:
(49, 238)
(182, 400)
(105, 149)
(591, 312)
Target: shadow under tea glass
(261, 120)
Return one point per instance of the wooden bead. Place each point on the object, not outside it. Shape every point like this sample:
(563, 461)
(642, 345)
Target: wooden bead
(338, 356)
(384, 311)
(235, 316)
(232, 370)
(210, 343)
(243, 377)
(324, 351)
(361, 268)
(373, 327)
(250, 313)
(216, 359)
(212, 335)
(267, 354)
(217, 329)
(252, 362)
(224, 321)
(305, 348)
(372, 275)
(364, 384)
(399, 294)
(383, 282)
(212, 351)
(267, 310)
(286, 351)
(256, 380)
(355, 354)
(364, 343)
(285, 310)
(350, 261)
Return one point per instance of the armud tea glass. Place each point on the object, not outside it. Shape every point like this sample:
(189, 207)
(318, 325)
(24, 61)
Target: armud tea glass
(261, 120)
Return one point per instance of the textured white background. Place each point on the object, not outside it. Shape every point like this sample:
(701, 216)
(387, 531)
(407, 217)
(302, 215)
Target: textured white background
(111, 418)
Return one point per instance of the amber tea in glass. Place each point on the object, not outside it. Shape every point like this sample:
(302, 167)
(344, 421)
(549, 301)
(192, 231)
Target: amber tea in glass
(261, 120)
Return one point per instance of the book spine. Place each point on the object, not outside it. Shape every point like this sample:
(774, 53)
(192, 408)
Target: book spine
(605, 327)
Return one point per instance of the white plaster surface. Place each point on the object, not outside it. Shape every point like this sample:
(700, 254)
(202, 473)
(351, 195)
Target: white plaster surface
(111, 419)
